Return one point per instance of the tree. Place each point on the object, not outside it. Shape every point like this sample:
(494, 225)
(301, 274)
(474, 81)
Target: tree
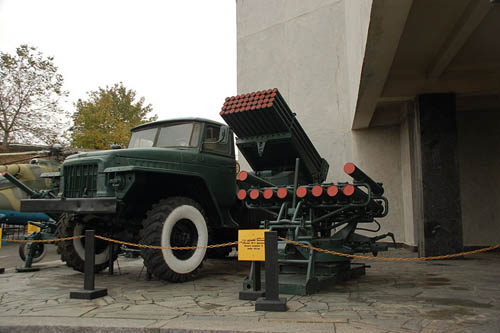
(30, 91)
(107, 117)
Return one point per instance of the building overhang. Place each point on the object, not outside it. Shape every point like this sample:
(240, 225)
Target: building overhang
(428, 46)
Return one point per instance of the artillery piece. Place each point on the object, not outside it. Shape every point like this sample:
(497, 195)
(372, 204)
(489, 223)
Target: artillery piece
(32, 252)
(303, 209)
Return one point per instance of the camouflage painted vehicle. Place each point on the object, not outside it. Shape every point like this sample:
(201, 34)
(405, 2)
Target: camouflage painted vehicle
(11, 195)
(30, 175)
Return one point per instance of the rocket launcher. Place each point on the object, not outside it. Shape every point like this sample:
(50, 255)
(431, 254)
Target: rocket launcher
(270, 136)
(309, 212)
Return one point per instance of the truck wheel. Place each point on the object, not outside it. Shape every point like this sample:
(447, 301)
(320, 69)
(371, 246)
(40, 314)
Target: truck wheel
(73, 251)
(176, 221)
(38, 254)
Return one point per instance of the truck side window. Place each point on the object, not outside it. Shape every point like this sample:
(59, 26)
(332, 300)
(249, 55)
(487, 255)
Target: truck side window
(210, 141)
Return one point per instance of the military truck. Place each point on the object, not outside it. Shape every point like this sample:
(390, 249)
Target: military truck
(174, 185)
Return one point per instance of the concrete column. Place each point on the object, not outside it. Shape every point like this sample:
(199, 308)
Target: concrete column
(435, 175)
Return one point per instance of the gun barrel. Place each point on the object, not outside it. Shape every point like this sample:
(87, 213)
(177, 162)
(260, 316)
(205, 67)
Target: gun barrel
(358, 175)
(18, 183)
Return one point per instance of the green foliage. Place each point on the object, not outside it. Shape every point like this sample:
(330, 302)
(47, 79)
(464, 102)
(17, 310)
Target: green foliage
(107, 117)
(30, 90)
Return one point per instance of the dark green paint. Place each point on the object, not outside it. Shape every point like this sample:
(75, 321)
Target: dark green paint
(120, 172)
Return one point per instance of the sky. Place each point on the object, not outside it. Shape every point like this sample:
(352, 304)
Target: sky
(179, 55)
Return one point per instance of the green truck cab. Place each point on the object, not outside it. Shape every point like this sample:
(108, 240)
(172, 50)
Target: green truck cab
(173, 186)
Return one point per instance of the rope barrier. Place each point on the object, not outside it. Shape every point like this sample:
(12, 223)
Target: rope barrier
(166, 247)
(353, 256)
(389, 258)
(42, 240)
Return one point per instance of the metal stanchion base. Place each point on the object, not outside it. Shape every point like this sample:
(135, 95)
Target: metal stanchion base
(27, 269)
(264, 304)
(89, 294)
(251, 295)
(2, 270)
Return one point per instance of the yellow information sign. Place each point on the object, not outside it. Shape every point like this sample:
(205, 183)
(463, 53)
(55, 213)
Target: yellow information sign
(33, 228)
(251, 245)
(0, 237)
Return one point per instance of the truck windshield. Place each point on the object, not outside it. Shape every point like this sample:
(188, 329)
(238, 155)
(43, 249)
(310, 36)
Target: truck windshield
(179, 135)
(143, 139)
(174, 135)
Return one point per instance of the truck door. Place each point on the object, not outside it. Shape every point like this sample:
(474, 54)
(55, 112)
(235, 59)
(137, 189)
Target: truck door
(218, 158)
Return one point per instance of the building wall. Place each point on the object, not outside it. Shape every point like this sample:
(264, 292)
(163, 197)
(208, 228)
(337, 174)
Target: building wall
(406, 184)
(312, 51)
(357, 16)
(479, 162)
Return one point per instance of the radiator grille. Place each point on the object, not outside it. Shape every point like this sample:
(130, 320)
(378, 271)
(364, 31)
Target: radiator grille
(80, 181)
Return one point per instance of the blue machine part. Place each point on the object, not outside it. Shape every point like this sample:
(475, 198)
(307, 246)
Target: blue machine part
(18, 218)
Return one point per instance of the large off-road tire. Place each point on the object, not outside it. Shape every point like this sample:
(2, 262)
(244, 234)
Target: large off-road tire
(73, 251)
(176, 221)
(39, 251)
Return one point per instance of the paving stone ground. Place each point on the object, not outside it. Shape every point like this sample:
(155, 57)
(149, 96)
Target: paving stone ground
(460, 295)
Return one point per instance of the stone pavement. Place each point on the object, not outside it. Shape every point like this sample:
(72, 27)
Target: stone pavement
(447, 296)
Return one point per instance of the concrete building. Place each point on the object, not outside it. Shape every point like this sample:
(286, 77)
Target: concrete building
(409, 90)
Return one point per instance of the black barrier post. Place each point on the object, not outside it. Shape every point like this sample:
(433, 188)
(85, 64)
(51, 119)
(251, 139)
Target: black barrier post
(272, 301)
(256, 291)
(2, 270)
(88, 291)
(111, 261)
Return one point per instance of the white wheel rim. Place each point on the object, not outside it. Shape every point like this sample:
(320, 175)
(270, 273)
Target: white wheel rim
(184, 212)
(100, 258)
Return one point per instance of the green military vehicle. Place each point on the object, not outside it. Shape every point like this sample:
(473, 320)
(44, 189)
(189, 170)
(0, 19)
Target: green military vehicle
(174, 186)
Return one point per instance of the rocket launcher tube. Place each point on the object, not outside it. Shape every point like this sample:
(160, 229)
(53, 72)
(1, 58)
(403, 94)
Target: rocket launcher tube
(252, 179)
(254, 194)
(264, 116)
(242, 194)
(332, 191)
(358, 175)
(268, 193)
(315, 191)
(360, 196)
(302, 192)
(283, 192)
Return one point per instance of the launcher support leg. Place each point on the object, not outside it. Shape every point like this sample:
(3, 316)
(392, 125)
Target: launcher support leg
(29, 258)
(254, 280)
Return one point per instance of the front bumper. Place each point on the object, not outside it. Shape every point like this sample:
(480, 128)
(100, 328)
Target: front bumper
(105, 205)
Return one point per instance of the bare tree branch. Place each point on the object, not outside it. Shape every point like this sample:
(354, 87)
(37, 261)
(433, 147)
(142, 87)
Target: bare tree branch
(30, 91)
